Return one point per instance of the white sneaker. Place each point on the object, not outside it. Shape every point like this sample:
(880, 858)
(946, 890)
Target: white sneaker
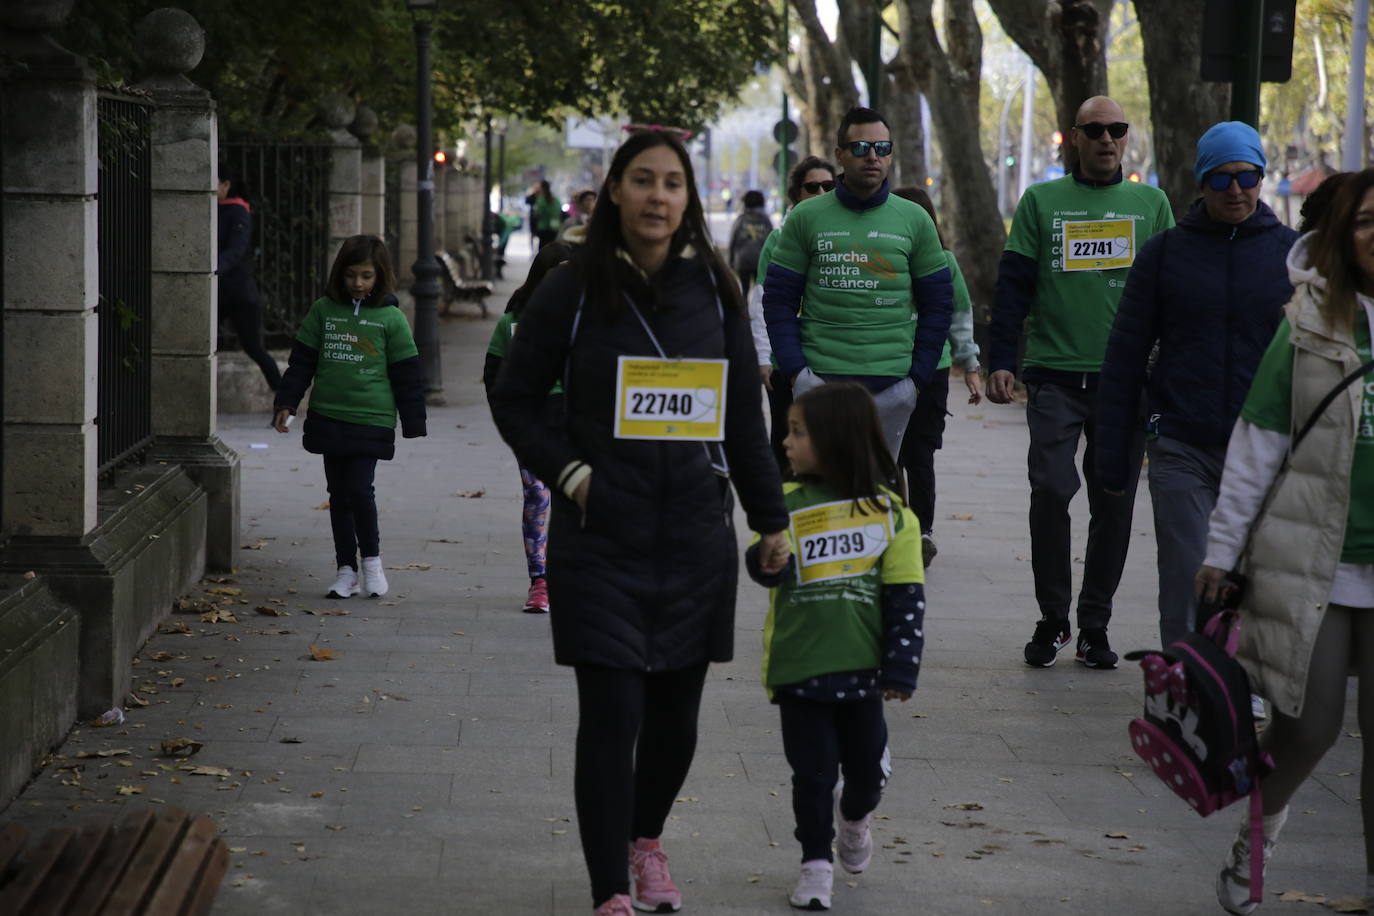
(346, 586)
(813, 886)
(853, 842)
(374, 580)
(1257, 708)
(1233, 881)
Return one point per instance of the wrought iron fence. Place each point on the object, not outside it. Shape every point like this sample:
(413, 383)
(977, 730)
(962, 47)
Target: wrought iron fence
(124, 412)
(287, 186)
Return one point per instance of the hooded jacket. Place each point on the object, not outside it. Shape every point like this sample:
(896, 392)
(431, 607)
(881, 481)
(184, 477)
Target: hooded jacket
(1211, 295)
(235, 265)
(645, 579)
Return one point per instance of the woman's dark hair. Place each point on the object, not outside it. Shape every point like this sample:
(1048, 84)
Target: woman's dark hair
(599, 260)
(917, 195)
(798, 175)
(1316, 203)
(1332, 249)
(847, 437)
(360, 249)
(549, 257)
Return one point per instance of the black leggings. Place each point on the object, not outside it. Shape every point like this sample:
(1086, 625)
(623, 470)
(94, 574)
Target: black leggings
(636, 736)
(820, 740)
(246, 317)
(925, 434)
(352, 508)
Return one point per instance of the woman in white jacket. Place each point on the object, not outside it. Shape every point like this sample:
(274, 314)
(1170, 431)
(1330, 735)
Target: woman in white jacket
(1308, 615)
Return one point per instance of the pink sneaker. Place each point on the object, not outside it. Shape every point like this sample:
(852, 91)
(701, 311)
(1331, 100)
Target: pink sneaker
(538, 601)
(652, 888)
(619, 905)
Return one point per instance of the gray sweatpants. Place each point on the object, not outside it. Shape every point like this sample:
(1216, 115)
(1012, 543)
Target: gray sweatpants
(1184, 482)
(895, 404)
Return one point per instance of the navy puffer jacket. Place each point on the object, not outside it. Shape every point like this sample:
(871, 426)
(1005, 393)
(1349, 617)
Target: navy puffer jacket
(235, 266)
(1211, 294)
(645, 580)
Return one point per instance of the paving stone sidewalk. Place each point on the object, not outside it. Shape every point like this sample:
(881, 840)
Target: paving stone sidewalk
(414, 754)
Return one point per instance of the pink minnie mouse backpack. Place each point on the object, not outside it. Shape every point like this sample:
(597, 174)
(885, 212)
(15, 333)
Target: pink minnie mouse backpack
(1197, 732)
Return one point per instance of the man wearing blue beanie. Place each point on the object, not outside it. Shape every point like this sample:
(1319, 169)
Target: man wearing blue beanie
(1210, 292)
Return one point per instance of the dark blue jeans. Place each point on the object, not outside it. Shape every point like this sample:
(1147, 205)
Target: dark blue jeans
(352, 508)
(820, 739)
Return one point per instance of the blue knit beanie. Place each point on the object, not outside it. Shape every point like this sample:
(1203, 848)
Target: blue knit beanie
(1229, 141)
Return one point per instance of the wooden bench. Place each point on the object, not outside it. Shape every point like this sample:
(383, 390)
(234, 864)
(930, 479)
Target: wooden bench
(458, 286)
(154, 862)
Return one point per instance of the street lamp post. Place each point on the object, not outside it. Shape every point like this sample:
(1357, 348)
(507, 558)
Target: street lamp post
(488, 267)
(426, 270)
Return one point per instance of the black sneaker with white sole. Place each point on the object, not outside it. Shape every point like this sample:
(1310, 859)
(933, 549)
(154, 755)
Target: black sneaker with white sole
(1093, 649)
(1051, 635)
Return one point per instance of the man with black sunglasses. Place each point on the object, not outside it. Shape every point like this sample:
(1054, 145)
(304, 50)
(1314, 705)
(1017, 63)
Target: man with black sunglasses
(866, 262)
(1210, 292)
(1072, 244)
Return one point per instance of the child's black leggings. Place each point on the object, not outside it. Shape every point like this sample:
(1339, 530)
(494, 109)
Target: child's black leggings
(819, 739)
(352, 508)
(636, 735)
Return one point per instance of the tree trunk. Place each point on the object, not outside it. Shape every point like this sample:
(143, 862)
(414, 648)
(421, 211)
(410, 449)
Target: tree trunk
(950, 77)
(1067, 42)
(1181, 106)
(826, 81)
(902, 106)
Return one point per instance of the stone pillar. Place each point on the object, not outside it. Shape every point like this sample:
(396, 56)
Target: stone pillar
(403, 142)
(345, 178)
(51, 279)
(452, 235)
(373, 174)
(184, 289)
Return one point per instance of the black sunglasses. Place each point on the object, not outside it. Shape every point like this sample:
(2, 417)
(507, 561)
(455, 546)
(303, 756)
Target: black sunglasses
(1094, 129)
(1221, 181)
(816, 187)
(860, 148)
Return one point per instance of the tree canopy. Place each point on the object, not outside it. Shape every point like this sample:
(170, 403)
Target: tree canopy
(660, 61)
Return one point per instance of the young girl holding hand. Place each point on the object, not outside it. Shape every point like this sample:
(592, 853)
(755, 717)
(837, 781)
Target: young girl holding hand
(844, 625)
(356, 347)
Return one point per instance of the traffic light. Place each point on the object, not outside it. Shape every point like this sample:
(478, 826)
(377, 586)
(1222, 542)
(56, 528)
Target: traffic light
(1057, 138)
(1219, 40)
(786, 133)
(440, 156)
(1010, 161)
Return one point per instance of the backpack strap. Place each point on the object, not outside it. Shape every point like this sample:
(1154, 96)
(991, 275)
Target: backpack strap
(1326, 402)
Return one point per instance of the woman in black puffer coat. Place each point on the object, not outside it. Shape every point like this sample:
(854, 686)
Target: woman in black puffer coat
(642, 557)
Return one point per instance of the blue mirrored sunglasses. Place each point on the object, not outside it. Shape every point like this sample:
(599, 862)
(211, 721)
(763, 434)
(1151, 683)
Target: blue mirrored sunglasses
(1221, 181)
(860, 148)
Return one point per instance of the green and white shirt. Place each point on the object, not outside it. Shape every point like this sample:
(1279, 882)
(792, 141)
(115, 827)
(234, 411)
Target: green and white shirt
(1075, 302)
(351, 382)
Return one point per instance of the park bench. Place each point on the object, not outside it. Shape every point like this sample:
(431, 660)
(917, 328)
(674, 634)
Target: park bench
(457, 284)
(154, 862)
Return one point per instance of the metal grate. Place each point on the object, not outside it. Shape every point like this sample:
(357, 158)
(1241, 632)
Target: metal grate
(124, 414)
(287, 185)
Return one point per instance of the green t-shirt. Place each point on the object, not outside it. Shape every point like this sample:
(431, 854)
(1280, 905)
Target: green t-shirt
(1269, 405)
(835, 625)
(1072, 314)
(766, 255)
(962, 303)
(351, 382)
(501, 335)
(860, 317)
